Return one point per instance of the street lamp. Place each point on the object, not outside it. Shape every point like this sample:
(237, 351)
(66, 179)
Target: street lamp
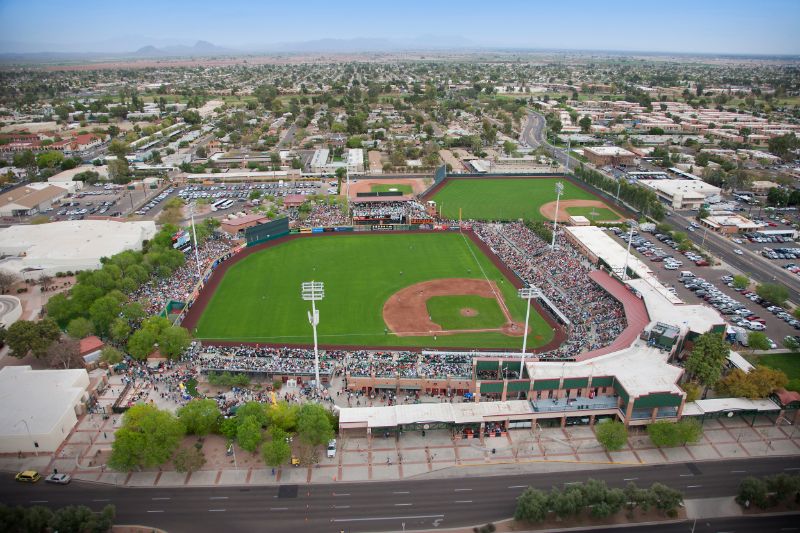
(526, 293)
(313, 291)
(28, 429)
(559, 191)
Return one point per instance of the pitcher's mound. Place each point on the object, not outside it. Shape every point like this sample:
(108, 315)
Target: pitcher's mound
(468, 311)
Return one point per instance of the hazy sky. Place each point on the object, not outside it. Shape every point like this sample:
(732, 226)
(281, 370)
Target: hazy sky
(719, 26)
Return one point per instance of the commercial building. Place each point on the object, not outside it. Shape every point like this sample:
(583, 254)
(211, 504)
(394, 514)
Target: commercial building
(601, 156)
(355, 161)
(40, 407)
(45, 249)
(375, 163)
(682, 193)
(319, 161)
(730, 223)
(30, 199)
(235, 225)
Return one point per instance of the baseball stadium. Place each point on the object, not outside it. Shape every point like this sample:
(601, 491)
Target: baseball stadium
(426, 290)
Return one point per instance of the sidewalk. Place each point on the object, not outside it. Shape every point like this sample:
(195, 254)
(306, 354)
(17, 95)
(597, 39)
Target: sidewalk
(414, 456)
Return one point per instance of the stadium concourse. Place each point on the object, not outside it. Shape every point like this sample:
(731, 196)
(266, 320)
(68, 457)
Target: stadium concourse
(614, 363)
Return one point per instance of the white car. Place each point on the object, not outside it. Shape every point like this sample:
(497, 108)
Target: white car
(331, 452)
(738, 241)
(738, 251)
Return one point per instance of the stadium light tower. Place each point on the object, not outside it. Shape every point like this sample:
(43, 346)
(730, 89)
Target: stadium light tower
(559, 191)
(194, 235)
(314, 291)
(526, 293)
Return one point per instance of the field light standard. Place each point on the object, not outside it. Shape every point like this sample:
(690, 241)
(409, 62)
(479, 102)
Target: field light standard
(314, 291)
(559, 191)
(194, 235)
(526, 293)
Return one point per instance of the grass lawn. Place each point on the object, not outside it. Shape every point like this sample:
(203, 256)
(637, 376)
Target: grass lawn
(446, 311)
(386, 187)
(789, 363)
(259, 298)
(602, 214)
(503, 199)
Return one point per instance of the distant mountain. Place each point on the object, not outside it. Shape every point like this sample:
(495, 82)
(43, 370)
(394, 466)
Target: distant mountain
(364, 44)
(200, 48)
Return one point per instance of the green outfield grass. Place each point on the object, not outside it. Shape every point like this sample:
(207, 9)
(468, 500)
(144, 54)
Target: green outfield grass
(259, 300)
(502, 199)
(386, 187)
(602, 214)
(446, 311)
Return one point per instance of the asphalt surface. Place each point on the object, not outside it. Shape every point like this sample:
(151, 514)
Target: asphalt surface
(533, 130)
(754, 524)
(370, 506)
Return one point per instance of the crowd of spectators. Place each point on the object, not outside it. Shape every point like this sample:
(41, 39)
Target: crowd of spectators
(157, 292)
(324, 214)
(398, 212)
(562, 274)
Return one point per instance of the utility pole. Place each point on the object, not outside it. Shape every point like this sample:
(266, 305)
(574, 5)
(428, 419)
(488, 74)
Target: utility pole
(559, 190)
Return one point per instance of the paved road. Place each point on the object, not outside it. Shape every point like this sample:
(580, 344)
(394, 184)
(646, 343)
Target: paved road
(752, 265)
(532, 132)
(752, 524)
(370, 506)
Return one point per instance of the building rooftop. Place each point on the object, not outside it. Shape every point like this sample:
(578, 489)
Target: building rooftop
(247, 219)
(609, 151)
(431, 413)
(687, 188)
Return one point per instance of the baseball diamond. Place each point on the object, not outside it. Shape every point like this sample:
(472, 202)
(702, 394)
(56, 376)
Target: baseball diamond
(255, 298)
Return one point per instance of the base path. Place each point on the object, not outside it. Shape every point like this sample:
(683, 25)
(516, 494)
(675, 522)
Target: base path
(406, 311)
(548, 210)
(365, 184)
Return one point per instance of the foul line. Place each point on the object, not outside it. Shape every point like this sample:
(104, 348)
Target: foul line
(499, 297)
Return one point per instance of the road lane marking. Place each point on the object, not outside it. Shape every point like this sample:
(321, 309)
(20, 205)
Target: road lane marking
(463, 501)
(694, 486)
(341, 507)
(403, 504)
(218, 498)
(401, 492)
(794, 468)
(687, 475)
(38, 501)
(461, 490)
(103, 500)
(216, 510)
(518, 487)
(278, 508)
(341, 494)
(155, 511)
(738, 471)
(387, 518)
(156, 499)
(630, 479)
(573, 482)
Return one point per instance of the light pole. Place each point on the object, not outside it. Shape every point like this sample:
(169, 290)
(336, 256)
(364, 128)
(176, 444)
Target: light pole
(314, 291)
(559, 190)
(28, 429)
(194, 235)
(627, 254)
(526, 293)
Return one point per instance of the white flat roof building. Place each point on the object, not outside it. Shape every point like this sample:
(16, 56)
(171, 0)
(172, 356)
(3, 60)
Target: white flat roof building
(40, 407)
(35, 250)
(431, 413)
(355, 160)
(683, 193)
(319, 161)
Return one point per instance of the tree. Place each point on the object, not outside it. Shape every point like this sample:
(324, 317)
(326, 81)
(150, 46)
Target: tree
(669, 434)
(24, 337)
(81, 518)
(585, 123)
(110, 355)
(148, 437)
(141, 343)
(118, 171)
(79, 328)
(173, 341)
(118, 148)
(758, 383)
(532, 506)
(65, 354)
(277, 451)
(313, 425)
(120, 330)
(612, 434)
(758, 340)
(189, 459)
(249, 434)
(49, 159)
(752, 491)
(104, 310)
(773, 292)
(7, 280)
(200, 417)
(708, 357)
(283, 415)
(740, 281)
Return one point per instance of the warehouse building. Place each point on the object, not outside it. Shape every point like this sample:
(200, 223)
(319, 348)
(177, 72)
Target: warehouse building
(682, 193)
(601, 156)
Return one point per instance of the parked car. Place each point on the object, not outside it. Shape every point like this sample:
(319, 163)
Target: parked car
(58, 479)
(28, 476)
(331, 452)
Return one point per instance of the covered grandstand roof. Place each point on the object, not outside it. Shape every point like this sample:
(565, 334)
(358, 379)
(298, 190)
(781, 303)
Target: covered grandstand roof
(428, 413)
(68, 245)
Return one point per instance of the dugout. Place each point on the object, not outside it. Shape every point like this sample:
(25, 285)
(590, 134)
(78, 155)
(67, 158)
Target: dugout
(266, 232)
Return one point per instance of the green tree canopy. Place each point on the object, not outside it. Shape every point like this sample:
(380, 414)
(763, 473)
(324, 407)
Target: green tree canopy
(79, 328)
(313, 425)
(148, 437)
(758, 383)
(200, 417)
(249, 434)
(24, 336)
(708, 358)
(612, 435)
(276, 451)
(773, 292)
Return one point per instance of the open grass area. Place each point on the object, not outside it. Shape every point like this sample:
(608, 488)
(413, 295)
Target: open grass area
(601, 214)
(258, 300)
(386, 187)
(789, 363)
(502, 199)
(446, 311)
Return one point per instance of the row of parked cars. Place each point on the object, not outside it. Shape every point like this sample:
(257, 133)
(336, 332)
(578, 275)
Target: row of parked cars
(155, 201)
(753, 237)
(656, 253)
(726, 305)
(32, 476)
(781, 253)
(242, 192)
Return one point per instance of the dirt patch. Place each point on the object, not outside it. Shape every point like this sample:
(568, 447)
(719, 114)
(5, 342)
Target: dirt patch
(548, 210)
(468, 311)
(406, 311)
(365, 185)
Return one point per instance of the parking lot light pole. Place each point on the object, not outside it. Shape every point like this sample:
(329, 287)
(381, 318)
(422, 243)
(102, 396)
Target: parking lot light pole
(559, 190)
(526, 293)
(314, 291)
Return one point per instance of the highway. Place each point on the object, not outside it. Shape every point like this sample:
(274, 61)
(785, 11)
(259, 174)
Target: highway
(370, 506)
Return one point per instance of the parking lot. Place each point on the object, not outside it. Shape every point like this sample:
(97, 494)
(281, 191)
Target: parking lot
(99, 200)
(712, 286)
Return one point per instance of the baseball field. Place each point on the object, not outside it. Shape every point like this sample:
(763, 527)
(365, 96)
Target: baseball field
(503, 198)
(404, 289)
